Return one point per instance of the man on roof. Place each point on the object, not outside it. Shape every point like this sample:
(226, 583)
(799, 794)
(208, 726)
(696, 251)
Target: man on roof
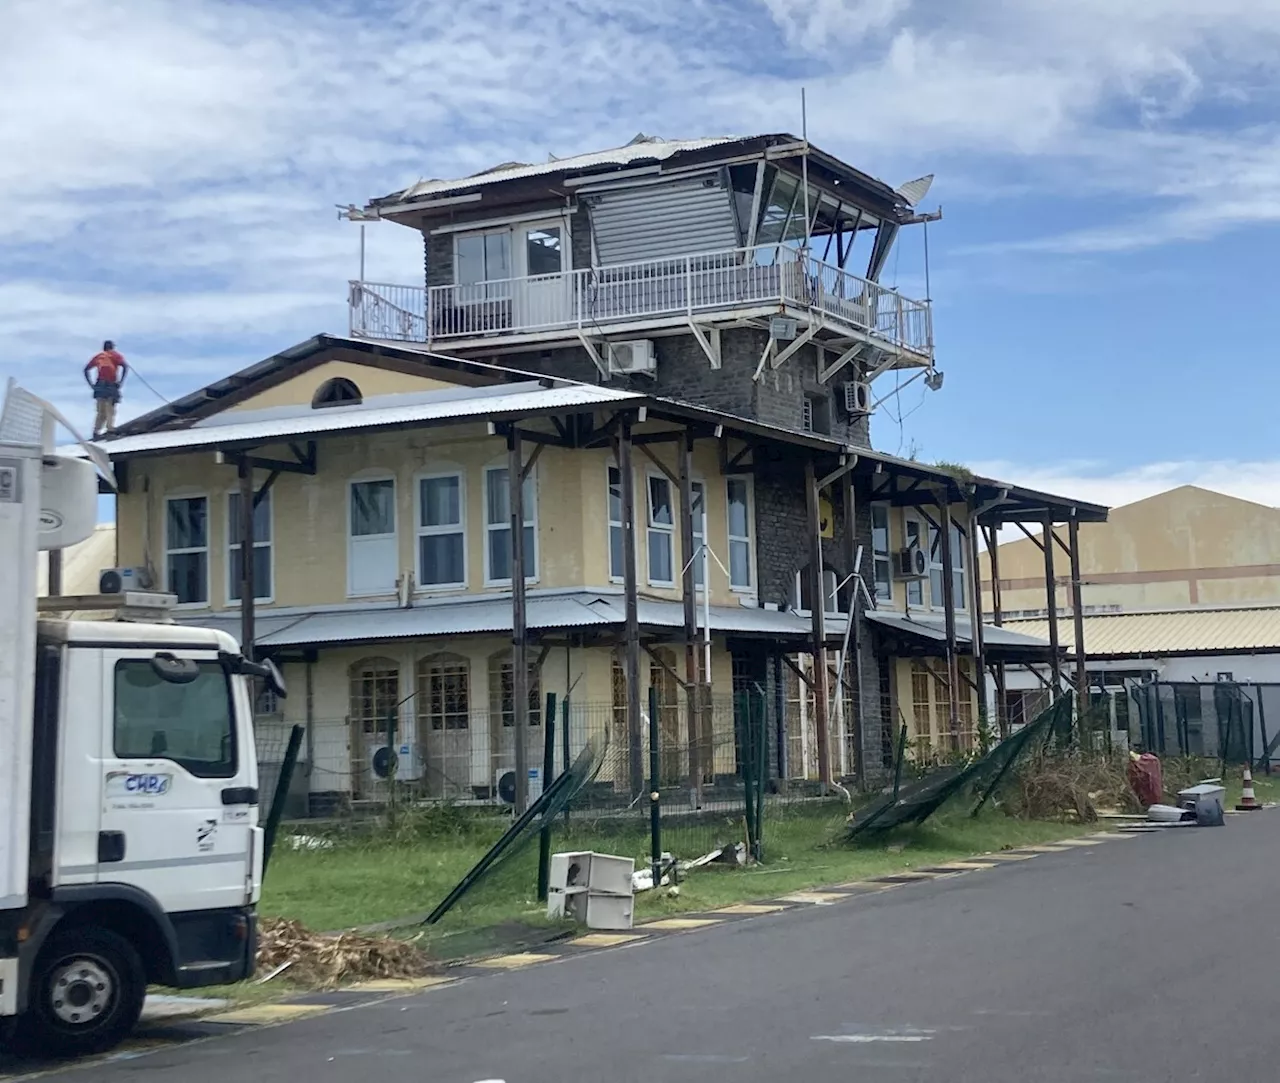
(110, 369)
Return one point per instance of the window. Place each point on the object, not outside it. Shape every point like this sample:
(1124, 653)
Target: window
(816, 414)
(617, 567)
(661, 531)
(543, 251)
(443, 693)
(190, 724)
(483, 258)
(837, 592)
(915, 587)
(936, 598)
(262, 585)
(374, 693)
(502, 690)
(739, 496)
(497, 523)
(881, 556)
(187, 548)
(442, 548)
(700, 559)
(372, 556)
(336, 392)
(922, 708)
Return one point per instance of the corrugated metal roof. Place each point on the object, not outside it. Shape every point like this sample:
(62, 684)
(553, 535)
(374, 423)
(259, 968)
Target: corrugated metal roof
(1206, 631)
(933, 627)
(465, 616)
(427, 406)
(646, 150)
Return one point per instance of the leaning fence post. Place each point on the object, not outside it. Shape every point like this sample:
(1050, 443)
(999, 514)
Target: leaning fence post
(276, 813)
(655, 770)
(548, 769)
(564, 740)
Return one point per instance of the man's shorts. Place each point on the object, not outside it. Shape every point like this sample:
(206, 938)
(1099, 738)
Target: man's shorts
(107, 389)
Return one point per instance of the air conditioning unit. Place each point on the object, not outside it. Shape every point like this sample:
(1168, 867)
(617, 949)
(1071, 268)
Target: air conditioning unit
(401, 760)
(504, 784)
(857, 397)
(911, 564)
(634, 356)
(120, 580)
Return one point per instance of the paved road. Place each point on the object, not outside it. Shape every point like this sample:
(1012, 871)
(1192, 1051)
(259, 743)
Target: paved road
(1146, 960)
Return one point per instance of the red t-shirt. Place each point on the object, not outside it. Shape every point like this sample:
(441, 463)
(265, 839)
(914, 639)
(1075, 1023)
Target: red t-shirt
(108, 363)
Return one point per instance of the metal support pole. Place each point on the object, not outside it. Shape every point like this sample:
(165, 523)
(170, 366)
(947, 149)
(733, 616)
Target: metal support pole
(564, 738)
(1051, 597)
(247, 590)
(631, 634)
(655, 778)
(276, 813)
(548, 769)
(854, 639)
(519, 631)
(689, 601)
(817, 606)
(979, 637)
(1077, 618)
(949, 620)
(997, 618)
(780, 712)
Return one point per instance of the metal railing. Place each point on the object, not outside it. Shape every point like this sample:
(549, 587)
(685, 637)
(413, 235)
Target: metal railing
(592, 297)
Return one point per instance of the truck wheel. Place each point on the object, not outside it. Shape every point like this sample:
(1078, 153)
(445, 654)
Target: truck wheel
(86, 994)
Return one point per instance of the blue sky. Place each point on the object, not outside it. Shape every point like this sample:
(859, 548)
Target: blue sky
(1109, 172)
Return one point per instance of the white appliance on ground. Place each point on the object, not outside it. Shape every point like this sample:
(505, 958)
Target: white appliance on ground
(593, 889)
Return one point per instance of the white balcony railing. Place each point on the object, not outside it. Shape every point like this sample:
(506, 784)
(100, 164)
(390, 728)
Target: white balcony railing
(595, 297)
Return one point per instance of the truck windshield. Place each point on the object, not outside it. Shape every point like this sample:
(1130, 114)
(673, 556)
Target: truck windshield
(190, 724)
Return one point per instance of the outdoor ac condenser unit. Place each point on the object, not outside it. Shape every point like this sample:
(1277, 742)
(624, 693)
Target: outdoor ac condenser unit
(504, 784)
(857, 397)
(119, 580)
(911, 563)
(402, 760)
(634, 356)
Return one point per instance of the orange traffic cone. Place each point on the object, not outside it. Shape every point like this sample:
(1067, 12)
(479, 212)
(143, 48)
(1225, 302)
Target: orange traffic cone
(1248, 802)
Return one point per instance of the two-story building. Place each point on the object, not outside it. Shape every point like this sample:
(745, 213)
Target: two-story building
(616, 442)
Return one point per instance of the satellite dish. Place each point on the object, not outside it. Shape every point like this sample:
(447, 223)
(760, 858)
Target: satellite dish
(916, 190)
(507, 787)
(385, 761)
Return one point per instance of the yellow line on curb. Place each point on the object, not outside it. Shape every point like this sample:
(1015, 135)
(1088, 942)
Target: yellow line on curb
(750, 908)
(399, 985)
(1081, 842)
(266, 1013)
(513, 962)
(1010, 857)
(681, 923)
(963, 866)
(605, 940)
(817, 898)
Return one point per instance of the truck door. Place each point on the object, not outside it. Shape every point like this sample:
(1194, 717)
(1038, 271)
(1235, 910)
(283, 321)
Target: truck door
(179, 794)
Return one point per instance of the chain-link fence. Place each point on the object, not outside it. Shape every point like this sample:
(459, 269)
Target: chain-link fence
(1227, 720)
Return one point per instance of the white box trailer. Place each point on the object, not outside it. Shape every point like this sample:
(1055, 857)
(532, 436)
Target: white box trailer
(130, 851)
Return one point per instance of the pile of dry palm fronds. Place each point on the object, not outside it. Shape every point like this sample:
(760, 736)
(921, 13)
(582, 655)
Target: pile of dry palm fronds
(1067, 785)
(320, 960)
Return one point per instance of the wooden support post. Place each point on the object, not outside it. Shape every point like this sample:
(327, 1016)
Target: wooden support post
(854, 639)
(1051, 598)
(975, 615)
(1077, 617)
(519, 632)
(689, 600)
(631, 627)
(247, 590)
(997, 618)
(817, 606)
(949, 620)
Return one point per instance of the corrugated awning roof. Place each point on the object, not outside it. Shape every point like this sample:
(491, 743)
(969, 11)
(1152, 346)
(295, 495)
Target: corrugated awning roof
(490, 614)
(1152, 634)
(932, 627)
(389, 411)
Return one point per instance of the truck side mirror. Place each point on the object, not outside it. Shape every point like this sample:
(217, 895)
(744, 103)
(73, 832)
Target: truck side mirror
(274, 678)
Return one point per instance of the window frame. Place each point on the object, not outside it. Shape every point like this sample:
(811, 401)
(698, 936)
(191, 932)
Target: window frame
(206, 548)
(884, 557)
(490, 528)
(921, 539)
(959, 568)
(420, 531)
(612, 524)
(366, 479)
(668, 530)
(486, 289)
(425, 670)
(269, 545)
(699, 535)
(749, 540)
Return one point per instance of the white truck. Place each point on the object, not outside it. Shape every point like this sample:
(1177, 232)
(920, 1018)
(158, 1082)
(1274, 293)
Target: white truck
(130, 850)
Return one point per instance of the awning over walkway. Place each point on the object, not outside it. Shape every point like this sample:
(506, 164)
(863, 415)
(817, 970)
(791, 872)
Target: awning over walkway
(926, 633)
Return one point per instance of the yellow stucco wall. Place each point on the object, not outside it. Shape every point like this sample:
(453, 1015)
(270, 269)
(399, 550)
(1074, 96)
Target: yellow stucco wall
(310, 514)
(929, 732)
(1175, 549)
(371, 381)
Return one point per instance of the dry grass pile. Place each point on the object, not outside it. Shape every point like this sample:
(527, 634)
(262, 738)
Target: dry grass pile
(1069, 786)
(321, 961)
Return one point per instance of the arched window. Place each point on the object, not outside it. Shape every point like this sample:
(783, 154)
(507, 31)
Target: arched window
(336, 392)
(502, 692)
(374, 693)
(443, 697)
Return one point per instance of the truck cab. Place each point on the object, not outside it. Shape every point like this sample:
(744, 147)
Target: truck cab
(145, 848)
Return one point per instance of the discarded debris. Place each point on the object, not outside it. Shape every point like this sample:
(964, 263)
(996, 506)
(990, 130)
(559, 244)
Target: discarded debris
(322, 960)
(274, 972)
